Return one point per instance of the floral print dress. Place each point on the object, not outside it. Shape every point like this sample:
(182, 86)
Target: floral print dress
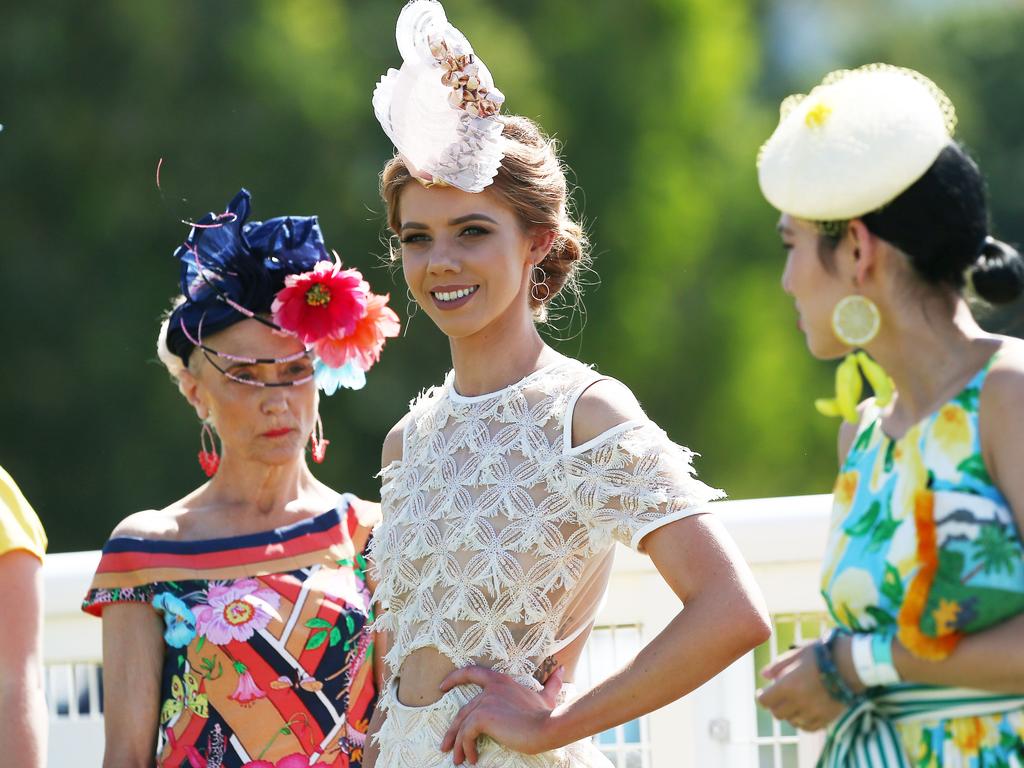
(267, 652)
(925, 546)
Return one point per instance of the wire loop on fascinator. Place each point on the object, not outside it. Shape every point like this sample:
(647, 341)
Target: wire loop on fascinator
(279, 273)
(440, 108)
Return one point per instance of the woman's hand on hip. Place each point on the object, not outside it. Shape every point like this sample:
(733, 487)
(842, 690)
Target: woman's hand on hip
(515, 716)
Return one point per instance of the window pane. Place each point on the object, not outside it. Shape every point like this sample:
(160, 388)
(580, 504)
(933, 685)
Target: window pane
(631, 732)
(608, 650)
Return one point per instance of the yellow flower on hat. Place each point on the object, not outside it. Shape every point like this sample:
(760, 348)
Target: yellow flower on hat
(817, 115)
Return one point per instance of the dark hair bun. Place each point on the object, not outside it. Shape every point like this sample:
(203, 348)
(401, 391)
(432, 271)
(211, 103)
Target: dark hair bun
(998, 275)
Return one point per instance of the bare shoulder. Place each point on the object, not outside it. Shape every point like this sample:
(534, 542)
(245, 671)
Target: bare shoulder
(394, 442)
(605, 404)
(1008, 368)
(1002, 395)
(366, 513)
(152, 523)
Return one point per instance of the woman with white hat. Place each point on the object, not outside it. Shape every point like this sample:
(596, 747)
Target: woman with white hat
(884, 220)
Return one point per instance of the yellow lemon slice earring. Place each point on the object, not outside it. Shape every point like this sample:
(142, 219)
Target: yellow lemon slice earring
(855, 322)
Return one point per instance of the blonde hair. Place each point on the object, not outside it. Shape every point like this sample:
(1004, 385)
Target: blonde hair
(171, 361)
(174, 365)
(531, 181)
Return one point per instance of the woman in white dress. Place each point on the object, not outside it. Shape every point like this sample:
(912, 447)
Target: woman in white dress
(506, 487)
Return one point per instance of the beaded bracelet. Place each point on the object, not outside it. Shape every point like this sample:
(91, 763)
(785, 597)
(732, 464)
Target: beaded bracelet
(829, 675)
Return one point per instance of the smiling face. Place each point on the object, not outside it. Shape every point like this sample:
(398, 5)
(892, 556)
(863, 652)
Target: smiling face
(268, 424)
(815, 288)
(466, 258)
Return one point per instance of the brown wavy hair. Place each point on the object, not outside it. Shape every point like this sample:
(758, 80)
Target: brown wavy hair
(531, 181)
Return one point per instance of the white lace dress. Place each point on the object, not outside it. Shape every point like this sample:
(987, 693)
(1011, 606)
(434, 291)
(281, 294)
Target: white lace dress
(498, 536)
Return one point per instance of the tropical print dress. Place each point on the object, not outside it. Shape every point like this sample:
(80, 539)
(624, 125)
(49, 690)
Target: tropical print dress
(267, 653)
(925, 546)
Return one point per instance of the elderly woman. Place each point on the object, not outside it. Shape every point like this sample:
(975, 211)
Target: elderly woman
(22, 707)
(883, 219)
(235, 619)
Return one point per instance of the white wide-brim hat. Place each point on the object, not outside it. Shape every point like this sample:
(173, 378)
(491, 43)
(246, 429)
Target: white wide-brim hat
(440, 108)
(854, 143)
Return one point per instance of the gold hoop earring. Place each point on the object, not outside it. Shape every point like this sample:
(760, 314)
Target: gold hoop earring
(536, 283)
(856, 320)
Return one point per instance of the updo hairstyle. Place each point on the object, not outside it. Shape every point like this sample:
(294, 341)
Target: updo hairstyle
(941, 223)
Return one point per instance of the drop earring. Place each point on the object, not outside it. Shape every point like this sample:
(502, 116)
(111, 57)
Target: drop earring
(856, 320)
(319, 442)
(209, 459)
(850, 387)
(540, 282)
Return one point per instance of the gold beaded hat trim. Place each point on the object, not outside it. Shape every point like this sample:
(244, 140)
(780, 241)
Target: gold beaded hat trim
(440, 109)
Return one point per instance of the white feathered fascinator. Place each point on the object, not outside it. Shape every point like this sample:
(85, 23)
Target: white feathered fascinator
(440, 108)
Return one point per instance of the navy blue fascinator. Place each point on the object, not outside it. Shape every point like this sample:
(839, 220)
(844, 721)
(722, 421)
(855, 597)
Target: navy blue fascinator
(228, 262)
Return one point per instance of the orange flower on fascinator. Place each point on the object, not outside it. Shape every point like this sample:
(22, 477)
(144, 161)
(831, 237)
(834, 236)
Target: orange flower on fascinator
(363, 345)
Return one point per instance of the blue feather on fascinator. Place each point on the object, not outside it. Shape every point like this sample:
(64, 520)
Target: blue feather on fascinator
(225, 255)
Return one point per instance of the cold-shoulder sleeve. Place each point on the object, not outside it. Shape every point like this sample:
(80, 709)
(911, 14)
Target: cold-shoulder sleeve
(633, 479)
(19, 526)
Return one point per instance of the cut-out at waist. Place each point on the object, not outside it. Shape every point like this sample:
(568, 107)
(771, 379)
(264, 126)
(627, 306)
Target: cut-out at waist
(419, 678)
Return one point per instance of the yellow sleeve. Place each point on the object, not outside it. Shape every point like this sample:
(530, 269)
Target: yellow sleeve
(19, 525)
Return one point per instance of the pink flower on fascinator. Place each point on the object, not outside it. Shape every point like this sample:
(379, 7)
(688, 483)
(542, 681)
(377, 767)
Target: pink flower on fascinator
(363, 344)
(326, 300)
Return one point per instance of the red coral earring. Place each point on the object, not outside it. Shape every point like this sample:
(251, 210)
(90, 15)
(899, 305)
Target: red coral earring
(209, 459)
(319, 442)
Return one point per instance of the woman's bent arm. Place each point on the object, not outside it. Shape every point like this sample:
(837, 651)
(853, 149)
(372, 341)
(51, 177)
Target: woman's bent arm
(724, 617)
(133, 651)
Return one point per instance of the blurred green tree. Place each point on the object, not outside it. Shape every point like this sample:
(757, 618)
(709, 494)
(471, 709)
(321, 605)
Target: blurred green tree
(660, 105)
